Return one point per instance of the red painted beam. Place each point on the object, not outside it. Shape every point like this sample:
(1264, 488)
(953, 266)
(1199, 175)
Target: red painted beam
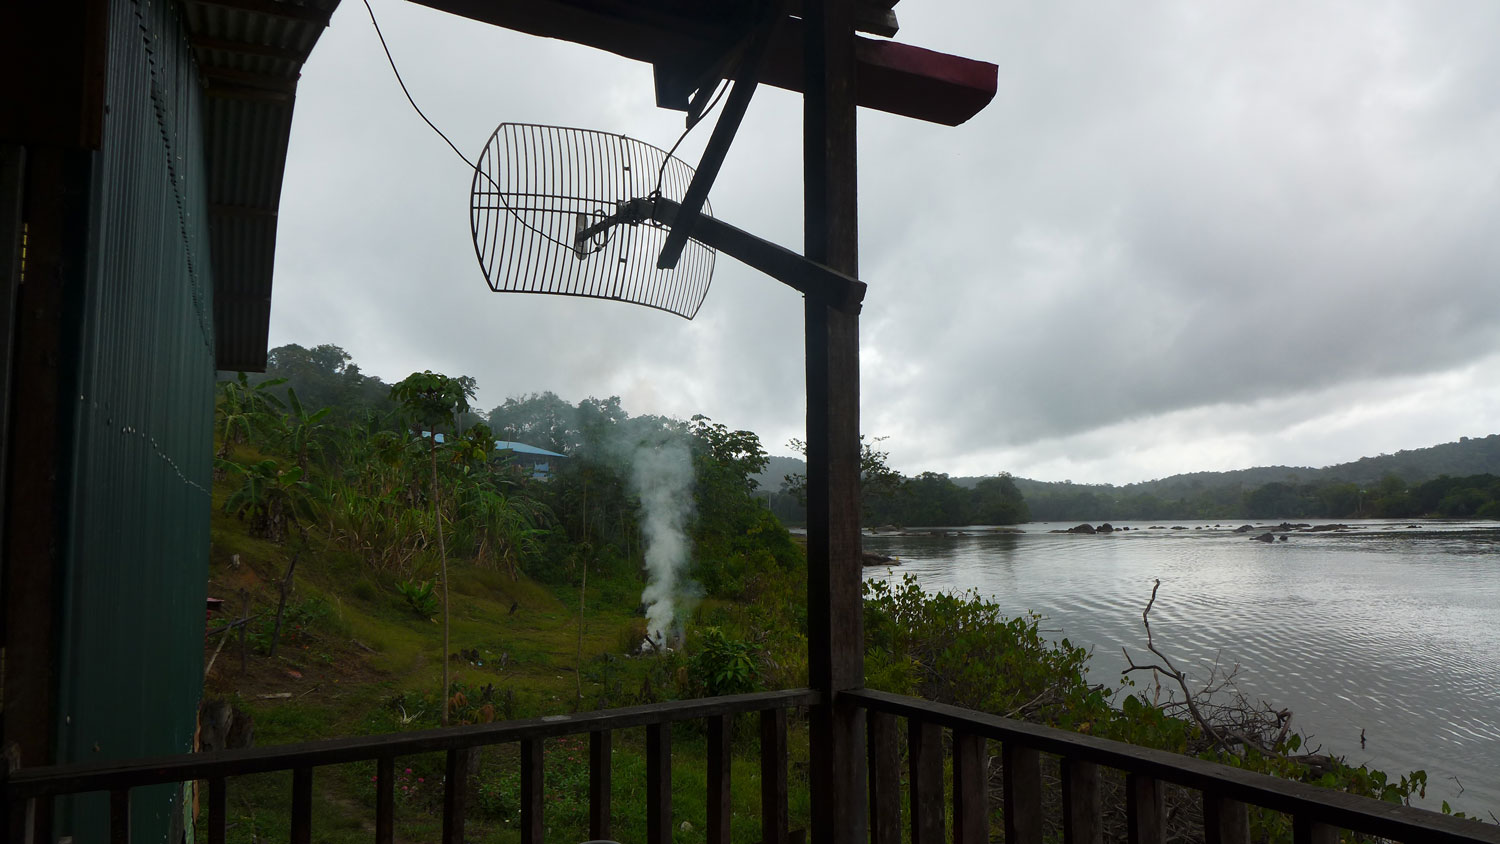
(893, 77)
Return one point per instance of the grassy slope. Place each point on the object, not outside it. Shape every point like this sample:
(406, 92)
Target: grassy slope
(362, 662)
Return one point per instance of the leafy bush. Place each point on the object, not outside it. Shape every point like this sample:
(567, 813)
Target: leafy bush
(419, 596)
(723, 666)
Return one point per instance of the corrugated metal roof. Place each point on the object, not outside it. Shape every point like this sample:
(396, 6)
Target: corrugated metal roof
(250, 54)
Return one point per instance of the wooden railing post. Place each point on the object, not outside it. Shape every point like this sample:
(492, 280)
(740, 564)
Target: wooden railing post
(531, 791)
(1225, 821)
(1144, 814)
(925, 760)
(1305, 830)
(385, 800)
(302, 780)
(601, 760)
(720, 730)
(971, 809)
(659, 784)
(773, 787)
(1023, 794)
(1081, 805)
(885, 778)
(455, 794)
(119, 816)
(218, 810)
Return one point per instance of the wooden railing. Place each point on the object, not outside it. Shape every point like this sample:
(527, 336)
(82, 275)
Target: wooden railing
(1318, 814)
(29, 792)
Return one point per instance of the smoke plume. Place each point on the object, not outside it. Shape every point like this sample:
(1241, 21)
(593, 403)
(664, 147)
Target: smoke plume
(662, 476)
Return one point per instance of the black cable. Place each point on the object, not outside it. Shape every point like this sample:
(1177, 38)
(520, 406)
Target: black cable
(402, 83)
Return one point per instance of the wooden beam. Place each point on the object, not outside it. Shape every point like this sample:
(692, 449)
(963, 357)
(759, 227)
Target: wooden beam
(835, 598)
(272, 8)
(893, 77)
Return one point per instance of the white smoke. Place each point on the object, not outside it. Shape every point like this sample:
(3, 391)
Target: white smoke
(662, 476)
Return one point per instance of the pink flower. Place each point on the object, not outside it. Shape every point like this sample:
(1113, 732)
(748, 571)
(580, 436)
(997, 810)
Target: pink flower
(420, 779)
(408, 770)
(374, 779)
(403, 789)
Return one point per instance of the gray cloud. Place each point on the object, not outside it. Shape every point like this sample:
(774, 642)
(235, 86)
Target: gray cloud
(1172, 221)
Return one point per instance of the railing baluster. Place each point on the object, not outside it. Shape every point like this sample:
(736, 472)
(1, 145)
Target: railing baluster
(1023, 794)
(720, 731)
(302, 780)
(601, 758)
(1305, 830)
(1225, 821)
(531, 791)
(456, 793)
(1081, 805)
(773, 787)
(658, 784)
(971, 815)
(218, 810)
(385, 800)
(1143, 810)
(885, 778)
(925, 759)
(41, 819)
(119, 816)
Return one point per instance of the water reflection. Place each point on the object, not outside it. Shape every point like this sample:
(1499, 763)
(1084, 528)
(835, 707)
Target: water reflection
(1385, 628)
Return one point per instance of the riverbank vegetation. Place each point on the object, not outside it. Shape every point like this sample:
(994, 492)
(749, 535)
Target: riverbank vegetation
(341, 521)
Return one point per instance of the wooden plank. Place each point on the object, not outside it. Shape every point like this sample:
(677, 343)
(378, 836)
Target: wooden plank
(1144, 810)
(531, 791)
(601, 761)
(1225, 821)
(971, 799)
(456, 794)
(658, 784)
(1023, 794)
(774, 813)
(218, 810)
(1307, 831)
(119, 816)
(924, 754)
(1346, 811)
(302, 781)
(102, 776)
(885, 778)
(1082, 809)
(720, 730)
(385, 800)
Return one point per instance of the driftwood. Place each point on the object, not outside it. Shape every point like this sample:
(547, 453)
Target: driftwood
(1233, 725)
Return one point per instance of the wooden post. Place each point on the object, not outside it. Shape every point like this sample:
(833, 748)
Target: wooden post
(1023, 794)
(659, 783)
(773, 787)
(531, 791)
(924, 756)
(885, 779)
(601, 758)
(720, 730)
(302, 783)
(835, 637)
(1145, 815)
(385, 800)
(971, 793)
(1225, 821)
(1081, 805)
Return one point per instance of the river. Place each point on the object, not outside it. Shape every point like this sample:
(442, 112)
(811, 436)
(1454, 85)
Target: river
(1390, 628)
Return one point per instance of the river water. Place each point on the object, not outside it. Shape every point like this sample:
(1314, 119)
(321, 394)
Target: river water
(1392, 628)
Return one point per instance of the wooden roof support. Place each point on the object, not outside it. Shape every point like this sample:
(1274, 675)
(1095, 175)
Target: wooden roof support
(892, 77)
(835, 597)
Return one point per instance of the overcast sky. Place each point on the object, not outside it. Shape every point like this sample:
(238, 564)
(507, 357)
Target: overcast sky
(1182, 237)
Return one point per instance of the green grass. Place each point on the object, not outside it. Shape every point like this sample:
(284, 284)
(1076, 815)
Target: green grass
(368, 664)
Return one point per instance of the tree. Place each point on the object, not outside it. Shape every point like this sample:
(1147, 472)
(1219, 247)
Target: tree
(272, 497)
(433, 400)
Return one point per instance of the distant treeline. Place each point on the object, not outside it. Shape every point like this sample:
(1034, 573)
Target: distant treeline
(1474, 496)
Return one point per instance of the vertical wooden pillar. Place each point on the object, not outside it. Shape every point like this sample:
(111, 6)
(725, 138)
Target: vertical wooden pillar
(835, 602)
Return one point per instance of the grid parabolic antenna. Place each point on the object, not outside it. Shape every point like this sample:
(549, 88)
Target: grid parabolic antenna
(535, 187)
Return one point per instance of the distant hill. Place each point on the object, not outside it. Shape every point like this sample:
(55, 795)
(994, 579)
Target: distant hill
(1468, 456)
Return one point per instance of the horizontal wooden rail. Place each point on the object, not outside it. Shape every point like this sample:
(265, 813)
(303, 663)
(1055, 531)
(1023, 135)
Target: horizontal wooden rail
(1311, 807)
(46, 781)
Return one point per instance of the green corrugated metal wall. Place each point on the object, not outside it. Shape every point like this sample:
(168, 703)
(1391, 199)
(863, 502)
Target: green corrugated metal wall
(131, 641)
